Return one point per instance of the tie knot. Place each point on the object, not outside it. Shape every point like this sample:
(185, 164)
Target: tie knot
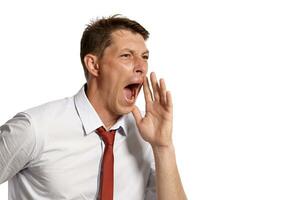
(107, 136)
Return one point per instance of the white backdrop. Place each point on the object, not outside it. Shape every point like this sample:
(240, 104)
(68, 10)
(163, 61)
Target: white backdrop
(232, 67)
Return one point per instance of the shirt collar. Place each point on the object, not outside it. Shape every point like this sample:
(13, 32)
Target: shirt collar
(89, 117)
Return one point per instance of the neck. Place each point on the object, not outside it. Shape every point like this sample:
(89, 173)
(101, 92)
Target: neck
(94, 96)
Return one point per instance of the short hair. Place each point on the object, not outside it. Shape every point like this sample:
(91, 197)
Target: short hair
(97, 35)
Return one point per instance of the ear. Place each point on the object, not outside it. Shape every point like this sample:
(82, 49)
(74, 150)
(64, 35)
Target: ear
(91, 64)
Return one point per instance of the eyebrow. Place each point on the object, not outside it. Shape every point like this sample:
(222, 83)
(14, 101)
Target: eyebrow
(132, 51)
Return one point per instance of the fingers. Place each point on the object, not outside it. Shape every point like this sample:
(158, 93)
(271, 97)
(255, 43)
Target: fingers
(137, 114)
(169, 101)
(159, 90)
(155, 86)
(147, 91)
(162, 91)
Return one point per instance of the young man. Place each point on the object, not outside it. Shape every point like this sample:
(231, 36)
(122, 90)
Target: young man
(97, 145)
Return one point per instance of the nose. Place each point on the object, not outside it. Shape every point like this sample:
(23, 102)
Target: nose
(140, 66)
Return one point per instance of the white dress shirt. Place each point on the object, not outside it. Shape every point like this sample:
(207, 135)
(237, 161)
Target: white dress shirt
(53, 152)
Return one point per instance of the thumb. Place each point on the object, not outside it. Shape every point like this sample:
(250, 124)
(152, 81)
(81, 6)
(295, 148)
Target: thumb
(137, 114)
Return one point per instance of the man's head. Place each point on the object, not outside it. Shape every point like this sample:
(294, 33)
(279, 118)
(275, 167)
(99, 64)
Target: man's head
(98, 35)
(114, 56)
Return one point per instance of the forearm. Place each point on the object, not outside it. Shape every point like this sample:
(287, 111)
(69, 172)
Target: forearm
(168, 183)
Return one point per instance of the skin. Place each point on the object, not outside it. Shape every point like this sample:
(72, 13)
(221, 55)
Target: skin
(124, 62)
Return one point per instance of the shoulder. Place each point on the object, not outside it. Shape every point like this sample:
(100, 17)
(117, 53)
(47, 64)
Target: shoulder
(50, 108)
(20, 124)
(19, 133)
(50, 116)
(36, 122)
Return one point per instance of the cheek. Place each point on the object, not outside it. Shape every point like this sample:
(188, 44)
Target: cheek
(116, 90)
(124, 64)
(127, 65)
(117, 66)
(114, 99)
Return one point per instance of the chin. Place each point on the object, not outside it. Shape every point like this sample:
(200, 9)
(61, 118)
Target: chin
(123, 107)
(123, 110)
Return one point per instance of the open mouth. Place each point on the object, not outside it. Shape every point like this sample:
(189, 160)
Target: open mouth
(131, 91)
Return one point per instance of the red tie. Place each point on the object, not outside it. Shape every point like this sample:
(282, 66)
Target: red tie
(106, 191)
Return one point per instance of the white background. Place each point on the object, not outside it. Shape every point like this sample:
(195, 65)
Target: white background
(232, 68)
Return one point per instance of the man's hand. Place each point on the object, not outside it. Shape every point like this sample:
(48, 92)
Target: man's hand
(156, 126)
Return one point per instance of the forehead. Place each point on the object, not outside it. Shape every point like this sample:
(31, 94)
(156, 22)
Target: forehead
(127, 39)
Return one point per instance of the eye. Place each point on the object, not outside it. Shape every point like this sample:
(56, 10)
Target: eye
(145, 57)
(126, 55)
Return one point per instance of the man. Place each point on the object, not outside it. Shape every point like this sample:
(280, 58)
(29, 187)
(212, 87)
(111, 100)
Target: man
(97, 145)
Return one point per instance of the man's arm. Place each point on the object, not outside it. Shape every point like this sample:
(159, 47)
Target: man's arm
(156, 128)
(168, 181)
(17, 143)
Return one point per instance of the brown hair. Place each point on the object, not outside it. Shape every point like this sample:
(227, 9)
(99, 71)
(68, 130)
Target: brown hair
(97, 35)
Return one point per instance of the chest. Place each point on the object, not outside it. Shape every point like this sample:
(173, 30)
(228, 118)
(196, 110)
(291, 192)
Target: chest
(69, 167)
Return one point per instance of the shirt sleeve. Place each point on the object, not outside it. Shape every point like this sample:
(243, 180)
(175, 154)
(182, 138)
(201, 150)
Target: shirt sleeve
(17, 145)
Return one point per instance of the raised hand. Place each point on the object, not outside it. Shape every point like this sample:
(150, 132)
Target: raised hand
(156, 126)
